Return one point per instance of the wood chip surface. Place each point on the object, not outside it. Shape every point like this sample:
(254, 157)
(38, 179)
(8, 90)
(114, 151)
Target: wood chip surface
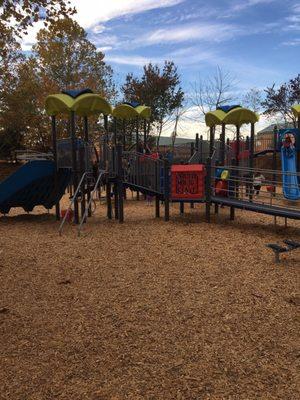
(148, 309)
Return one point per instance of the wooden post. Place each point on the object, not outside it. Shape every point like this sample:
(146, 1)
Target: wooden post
(145, 135)
(211, 141)
(251, 161)
(232, 188)
(208, 189)
(105, 140)
(237, 151)
(120, 184)
(166, 190)
(116, 198)
(181, 207)
(201, 149)
(157, 208)
(74, 164)
(124, 134)
(298, 152)
(115, 131)
(222, 158)
(228, 147)
(137, 150)
(85, 183)
(197, 142)
(237, 159)
(274, 159)
(192, 148)
(54, 145)
(108, 199)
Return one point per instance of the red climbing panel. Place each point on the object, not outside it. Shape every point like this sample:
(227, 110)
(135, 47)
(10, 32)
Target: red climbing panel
(188, 181)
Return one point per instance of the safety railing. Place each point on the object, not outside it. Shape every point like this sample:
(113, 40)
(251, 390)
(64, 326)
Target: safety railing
(143, 171)
(74, 197)
(86, 211)
(260, 186)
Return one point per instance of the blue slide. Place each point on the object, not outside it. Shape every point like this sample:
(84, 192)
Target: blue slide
(289, 179)
(33, 185)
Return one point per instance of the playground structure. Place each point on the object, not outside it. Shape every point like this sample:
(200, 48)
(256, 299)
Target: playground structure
(217, 172)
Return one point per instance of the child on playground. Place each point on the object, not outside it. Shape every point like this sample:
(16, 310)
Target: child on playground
(257, 182)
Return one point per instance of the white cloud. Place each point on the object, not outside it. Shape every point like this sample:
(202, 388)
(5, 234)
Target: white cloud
(29, 40)
(292, 42)
(203, 31)
(98, 29)
(104, 48)
(91, 12)
(244, 4)
(137, 61)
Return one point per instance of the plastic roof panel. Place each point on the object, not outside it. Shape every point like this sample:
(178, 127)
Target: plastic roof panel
(296, 110)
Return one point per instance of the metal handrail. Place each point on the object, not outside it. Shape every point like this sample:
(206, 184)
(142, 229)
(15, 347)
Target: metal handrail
(101, 173)
(72, 202)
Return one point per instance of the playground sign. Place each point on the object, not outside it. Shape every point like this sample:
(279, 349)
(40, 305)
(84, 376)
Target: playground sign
(188, 181)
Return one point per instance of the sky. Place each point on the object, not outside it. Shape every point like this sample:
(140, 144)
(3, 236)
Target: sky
(257, 41)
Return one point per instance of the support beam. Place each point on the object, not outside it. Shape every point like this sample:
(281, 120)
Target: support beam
(54, 145)
(237, 149)
(211, 141)
(181, 207)
(145, 136)
(108, 199)
(115, 131)
(197, 142)
(86, 183)
(120, 184)
(274, 158)
(166, 190)
(222, 140)
(298, 152)
(251, 161)
(251, 146)
(74, 164)
(208, 189)
(201, 149)
(157, 207)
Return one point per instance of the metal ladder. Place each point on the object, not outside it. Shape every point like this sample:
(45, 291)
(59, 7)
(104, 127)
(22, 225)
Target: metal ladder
(72, 202)
(84, 217)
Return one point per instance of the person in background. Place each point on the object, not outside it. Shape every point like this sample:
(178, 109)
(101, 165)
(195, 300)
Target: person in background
(257, 182)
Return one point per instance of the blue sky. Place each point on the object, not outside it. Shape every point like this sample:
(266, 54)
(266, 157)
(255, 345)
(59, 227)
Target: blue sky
(258, 41)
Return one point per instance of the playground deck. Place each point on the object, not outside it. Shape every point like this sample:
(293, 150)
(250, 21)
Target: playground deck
(147, 309)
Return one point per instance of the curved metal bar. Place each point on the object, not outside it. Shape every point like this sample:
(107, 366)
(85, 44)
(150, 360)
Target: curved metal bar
(72, 202)
(101, 173)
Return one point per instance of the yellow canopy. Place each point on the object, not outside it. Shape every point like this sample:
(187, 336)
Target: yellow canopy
(84, 105)
(88, 104)
(144, 111)
(296, 110)
(58, 103)
(125, 111)
(213, 118)
(237, 116)
(240, 116)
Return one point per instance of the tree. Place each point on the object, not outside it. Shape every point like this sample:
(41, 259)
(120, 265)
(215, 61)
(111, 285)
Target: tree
(279, 101)
(157, 88)
(213, 91)
(16, 16)
(10, 137)
(63, 58)
(68, 59)
(253, 100)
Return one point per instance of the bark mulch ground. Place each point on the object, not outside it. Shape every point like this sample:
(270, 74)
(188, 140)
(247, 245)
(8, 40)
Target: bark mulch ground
(148, 309)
